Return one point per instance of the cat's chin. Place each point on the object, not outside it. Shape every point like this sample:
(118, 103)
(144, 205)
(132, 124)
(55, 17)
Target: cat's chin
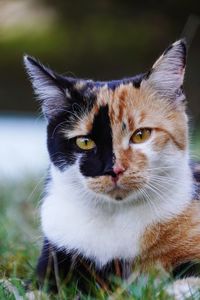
(121, 196)
(125, 196)
(118, 194)
(117, 191)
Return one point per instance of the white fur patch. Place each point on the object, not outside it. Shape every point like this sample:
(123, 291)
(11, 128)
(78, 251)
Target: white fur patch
(182, 289)
(101, 228)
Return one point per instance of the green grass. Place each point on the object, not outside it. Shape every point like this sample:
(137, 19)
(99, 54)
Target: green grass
(195, 145)
(20, 242)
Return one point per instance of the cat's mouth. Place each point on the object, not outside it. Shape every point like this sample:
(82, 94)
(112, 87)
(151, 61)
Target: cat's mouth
(116, 188)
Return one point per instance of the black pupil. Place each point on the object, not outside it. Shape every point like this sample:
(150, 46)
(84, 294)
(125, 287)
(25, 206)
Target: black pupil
(140, 133)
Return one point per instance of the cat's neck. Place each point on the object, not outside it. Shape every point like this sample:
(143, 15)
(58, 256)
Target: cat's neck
(74, 218)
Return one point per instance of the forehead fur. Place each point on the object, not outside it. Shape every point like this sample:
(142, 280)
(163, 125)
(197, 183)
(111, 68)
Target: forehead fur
(132, 108)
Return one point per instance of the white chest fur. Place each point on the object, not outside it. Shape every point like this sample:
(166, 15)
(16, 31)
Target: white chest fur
(74, 219)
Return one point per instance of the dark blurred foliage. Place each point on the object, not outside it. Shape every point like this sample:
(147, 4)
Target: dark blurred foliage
(104, 39)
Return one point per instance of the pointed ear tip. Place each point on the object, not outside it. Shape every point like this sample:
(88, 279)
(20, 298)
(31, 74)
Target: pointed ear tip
(29, 60)
(182, 42)
(25, 58)
(27, 63)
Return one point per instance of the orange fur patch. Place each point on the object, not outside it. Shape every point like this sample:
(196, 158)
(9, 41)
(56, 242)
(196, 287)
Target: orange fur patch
(137, 108)
(130, 109)
(173, 242)
(104, 185)
(160, 140)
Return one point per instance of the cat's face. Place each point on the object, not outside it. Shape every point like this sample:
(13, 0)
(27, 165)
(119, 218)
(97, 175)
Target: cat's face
(121, 137)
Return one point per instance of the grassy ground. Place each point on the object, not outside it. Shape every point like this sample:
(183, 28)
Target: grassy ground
(19, 236)
(20, 242)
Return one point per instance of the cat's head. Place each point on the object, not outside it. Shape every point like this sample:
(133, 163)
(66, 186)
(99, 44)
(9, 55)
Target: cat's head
(121, 137)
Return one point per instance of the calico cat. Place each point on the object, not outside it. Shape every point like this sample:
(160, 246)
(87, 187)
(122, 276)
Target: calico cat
(121, 186)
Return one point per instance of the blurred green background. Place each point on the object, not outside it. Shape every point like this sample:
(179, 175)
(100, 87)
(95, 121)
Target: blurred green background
(104, 39)
(101, 40)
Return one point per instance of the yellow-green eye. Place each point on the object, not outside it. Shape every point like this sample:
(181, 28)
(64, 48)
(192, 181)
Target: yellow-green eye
(141, 135)
(85, 143)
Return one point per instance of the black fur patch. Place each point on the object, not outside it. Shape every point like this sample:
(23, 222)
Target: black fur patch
(187, 269)
(62, 151)
(135, 81)
(99, 161)
(123, 126)
(71, 267)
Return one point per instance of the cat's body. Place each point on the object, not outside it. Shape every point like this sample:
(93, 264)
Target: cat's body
(120, 188)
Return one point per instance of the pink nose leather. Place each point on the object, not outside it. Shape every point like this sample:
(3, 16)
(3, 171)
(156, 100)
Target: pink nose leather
(118, 170)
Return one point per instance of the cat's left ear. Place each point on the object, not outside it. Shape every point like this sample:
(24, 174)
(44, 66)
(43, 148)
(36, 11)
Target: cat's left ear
(51, 89)
(167, 74)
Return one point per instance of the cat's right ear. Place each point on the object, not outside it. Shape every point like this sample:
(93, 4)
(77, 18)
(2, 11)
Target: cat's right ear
(47, 87)
(167, 74)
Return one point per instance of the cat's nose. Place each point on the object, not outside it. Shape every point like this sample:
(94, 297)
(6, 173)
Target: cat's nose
(114, 171)
(118, 170)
